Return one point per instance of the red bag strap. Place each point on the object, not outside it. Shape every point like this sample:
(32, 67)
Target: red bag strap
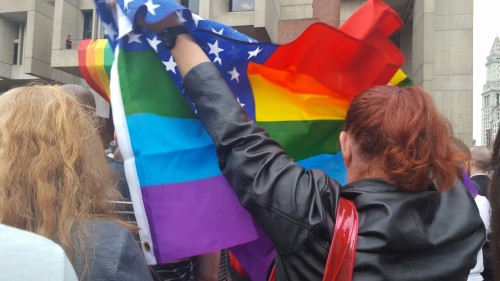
(272, 277)
(340, 262)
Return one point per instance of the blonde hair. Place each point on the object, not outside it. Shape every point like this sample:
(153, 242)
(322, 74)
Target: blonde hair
(53, 172)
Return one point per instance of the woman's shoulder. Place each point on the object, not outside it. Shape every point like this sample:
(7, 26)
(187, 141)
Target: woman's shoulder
(108, 232)
(114, 253)
(107, 239)
(105, 225)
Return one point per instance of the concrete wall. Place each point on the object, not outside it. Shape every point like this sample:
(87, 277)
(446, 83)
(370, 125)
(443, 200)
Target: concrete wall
(453, 63)
(442, 58)
(37, 47)
(273, 15)
(9, 31)
(219, 11)
(36, 18)
(327, 11)
(86, 4)
(405, 45)
(68, 20)
(348, 8)
(423, 44)
(9, 6)
(297, 15)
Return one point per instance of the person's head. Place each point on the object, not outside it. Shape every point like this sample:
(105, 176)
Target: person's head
(82, 95)
(86, 98)
(481, 160)
(53, 175)
(397, 134)
(462, 149)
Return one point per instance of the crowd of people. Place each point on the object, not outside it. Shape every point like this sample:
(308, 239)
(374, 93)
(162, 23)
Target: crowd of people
(424, 201)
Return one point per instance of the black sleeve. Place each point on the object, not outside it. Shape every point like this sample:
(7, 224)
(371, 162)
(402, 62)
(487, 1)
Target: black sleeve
(286, 200)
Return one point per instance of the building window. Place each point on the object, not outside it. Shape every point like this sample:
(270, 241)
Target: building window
(16, 54)
(498, 97)
(241, 5)
(17, 46)
(396, 38)
(87, 24)
(193, 5)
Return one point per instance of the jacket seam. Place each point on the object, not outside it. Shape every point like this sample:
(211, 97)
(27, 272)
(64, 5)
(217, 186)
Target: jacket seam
(415, 267)
(420, 232)
(277, 212)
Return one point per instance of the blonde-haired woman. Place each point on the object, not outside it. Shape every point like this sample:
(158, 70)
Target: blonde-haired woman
(55, 181)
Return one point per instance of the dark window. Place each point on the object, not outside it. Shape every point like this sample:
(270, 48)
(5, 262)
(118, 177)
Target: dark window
(16, 54)
(498, 98)
(193, 5)
(87, 24)
(241, 5)
(396, 38)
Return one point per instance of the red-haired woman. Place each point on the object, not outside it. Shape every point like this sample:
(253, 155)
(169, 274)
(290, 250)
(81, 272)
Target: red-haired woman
(416, 220)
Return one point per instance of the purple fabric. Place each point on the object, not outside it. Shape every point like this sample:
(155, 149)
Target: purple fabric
(255, 257)
(469, 184)
(186, 225)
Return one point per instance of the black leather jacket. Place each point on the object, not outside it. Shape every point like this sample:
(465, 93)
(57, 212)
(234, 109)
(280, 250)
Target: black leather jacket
(402, 235)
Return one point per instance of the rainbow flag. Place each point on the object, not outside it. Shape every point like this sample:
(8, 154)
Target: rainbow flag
(299, 92)
(95, 58)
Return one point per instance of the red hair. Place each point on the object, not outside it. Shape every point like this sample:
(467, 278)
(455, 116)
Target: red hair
(402, 129)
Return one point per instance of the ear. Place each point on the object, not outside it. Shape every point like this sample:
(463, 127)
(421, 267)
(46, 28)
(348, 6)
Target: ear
(346, 147)
(467, 166)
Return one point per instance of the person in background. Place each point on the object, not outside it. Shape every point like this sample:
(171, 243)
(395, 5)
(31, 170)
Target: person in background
(86, 98)
(480, 173)
(482, 267)
(480, 168)
(55, 182)
(27, 256)
(494, 197)
(82, 95)
(69, 42)
(402, 178)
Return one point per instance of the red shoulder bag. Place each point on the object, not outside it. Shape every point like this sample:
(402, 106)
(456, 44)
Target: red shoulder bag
(340, 262)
